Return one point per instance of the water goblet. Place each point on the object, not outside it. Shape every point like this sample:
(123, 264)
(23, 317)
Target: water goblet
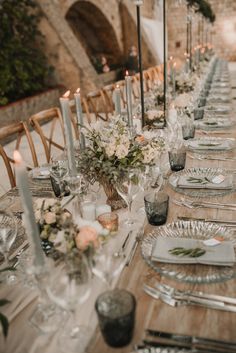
(8, 232)
(128, 188)
(107, 266)
(68, 290)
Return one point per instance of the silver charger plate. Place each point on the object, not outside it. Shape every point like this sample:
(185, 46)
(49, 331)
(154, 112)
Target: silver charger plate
(189, 273)
(200, 172)
(210, 141)
(214, 123)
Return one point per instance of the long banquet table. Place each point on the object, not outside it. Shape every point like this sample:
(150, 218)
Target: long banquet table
(151, 313)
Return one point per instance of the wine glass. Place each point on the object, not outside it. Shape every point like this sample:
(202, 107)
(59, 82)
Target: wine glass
(8, 232)
(78, 186)
(47, 316)
(58, 172)
(107, 265)
(69, 289)
(128, 188)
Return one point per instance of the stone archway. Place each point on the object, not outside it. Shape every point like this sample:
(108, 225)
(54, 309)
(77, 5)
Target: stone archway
(95, 33)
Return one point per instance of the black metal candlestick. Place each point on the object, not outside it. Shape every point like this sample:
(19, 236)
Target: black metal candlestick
(138, 3)
(187, 34)
(190, 43)
(164, 58)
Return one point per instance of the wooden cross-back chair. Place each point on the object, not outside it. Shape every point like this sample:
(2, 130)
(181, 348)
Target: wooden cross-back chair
(147, 79)
(121, 85)
(19, 132)
(97, 105)
(108, 91)
(86, 114)
(45, 124)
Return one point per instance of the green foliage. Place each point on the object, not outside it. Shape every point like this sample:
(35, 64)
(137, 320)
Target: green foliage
(23, 66)
(204, 8)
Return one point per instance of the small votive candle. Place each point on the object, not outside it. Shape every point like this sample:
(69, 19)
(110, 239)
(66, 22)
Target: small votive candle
(109, 221)
(100, 209)
(88, 210)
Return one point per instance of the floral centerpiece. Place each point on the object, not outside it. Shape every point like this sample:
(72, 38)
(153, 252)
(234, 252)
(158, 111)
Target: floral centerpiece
(183, 104)
(154, 118)
(111, 151)
(60, 235)
(185, 82)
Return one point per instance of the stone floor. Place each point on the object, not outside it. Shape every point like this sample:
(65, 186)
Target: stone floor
(4, 182)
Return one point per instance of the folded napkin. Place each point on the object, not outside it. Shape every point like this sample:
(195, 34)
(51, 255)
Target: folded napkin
(209, 145)
(40, 173)
(19, 298)
(184, 182)
(219, 255)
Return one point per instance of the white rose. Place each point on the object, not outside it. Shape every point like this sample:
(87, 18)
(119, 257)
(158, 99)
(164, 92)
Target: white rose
(60, 242)
(121, 151)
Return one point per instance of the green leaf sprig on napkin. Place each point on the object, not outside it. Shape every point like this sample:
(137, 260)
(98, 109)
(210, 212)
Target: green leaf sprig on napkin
(196, 180)
(190, 252)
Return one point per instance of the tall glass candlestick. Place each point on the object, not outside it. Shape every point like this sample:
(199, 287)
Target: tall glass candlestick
(31, 227)
(64, 101)
(79, 115)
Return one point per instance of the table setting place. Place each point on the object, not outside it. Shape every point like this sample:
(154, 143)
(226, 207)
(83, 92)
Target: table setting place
(103, 241)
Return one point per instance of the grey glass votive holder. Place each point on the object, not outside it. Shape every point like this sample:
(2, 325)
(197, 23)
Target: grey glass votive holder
(116, 315)
(198, 113)
(177, 159)
(188, 131)
(156, 207)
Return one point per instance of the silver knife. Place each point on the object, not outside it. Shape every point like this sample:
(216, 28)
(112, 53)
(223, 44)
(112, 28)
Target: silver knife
(221, 221)
(192, 339)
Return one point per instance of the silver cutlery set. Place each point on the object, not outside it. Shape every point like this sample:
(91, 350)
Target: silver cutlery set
(166, 342)
(201, 157)
(204, 204)
(174, 297)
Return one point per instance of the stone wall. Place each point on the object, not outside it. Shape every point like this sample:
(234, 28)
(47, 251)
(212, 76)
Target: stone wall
(224, 29)
(24, 108)
(68, 48)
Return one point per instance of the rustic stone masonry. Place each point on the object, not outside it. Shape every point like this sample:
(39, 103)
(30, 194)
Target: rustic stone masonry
(78, 30)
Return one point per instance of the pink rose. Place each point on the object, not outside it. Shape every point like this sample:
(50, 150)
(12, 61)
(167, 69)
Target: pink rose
(50, 217)
(86, 236)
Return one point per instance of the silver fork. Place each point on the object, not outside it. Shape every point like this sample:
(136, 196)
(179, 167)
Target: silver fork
(172, 291)
(200, 157)
(192, 205)
(184, 300)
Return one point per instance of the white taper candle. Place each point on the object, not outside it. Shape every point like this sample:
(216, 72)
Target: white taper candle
(64, 101)
(128, 86)
(117, 99)
(80, 120)
(31, 226)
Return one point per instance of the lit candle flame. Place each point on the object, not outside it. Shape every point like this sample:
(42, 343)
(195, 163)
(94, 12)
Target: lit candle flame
(66, 94)
(17, 157)
(117, 86)
(126, 73)
(78, 90)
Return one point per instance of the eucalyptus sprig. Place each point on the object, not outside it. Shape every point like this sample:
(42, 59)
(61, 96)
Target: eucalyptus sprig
(189, 252)
(196, 180)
